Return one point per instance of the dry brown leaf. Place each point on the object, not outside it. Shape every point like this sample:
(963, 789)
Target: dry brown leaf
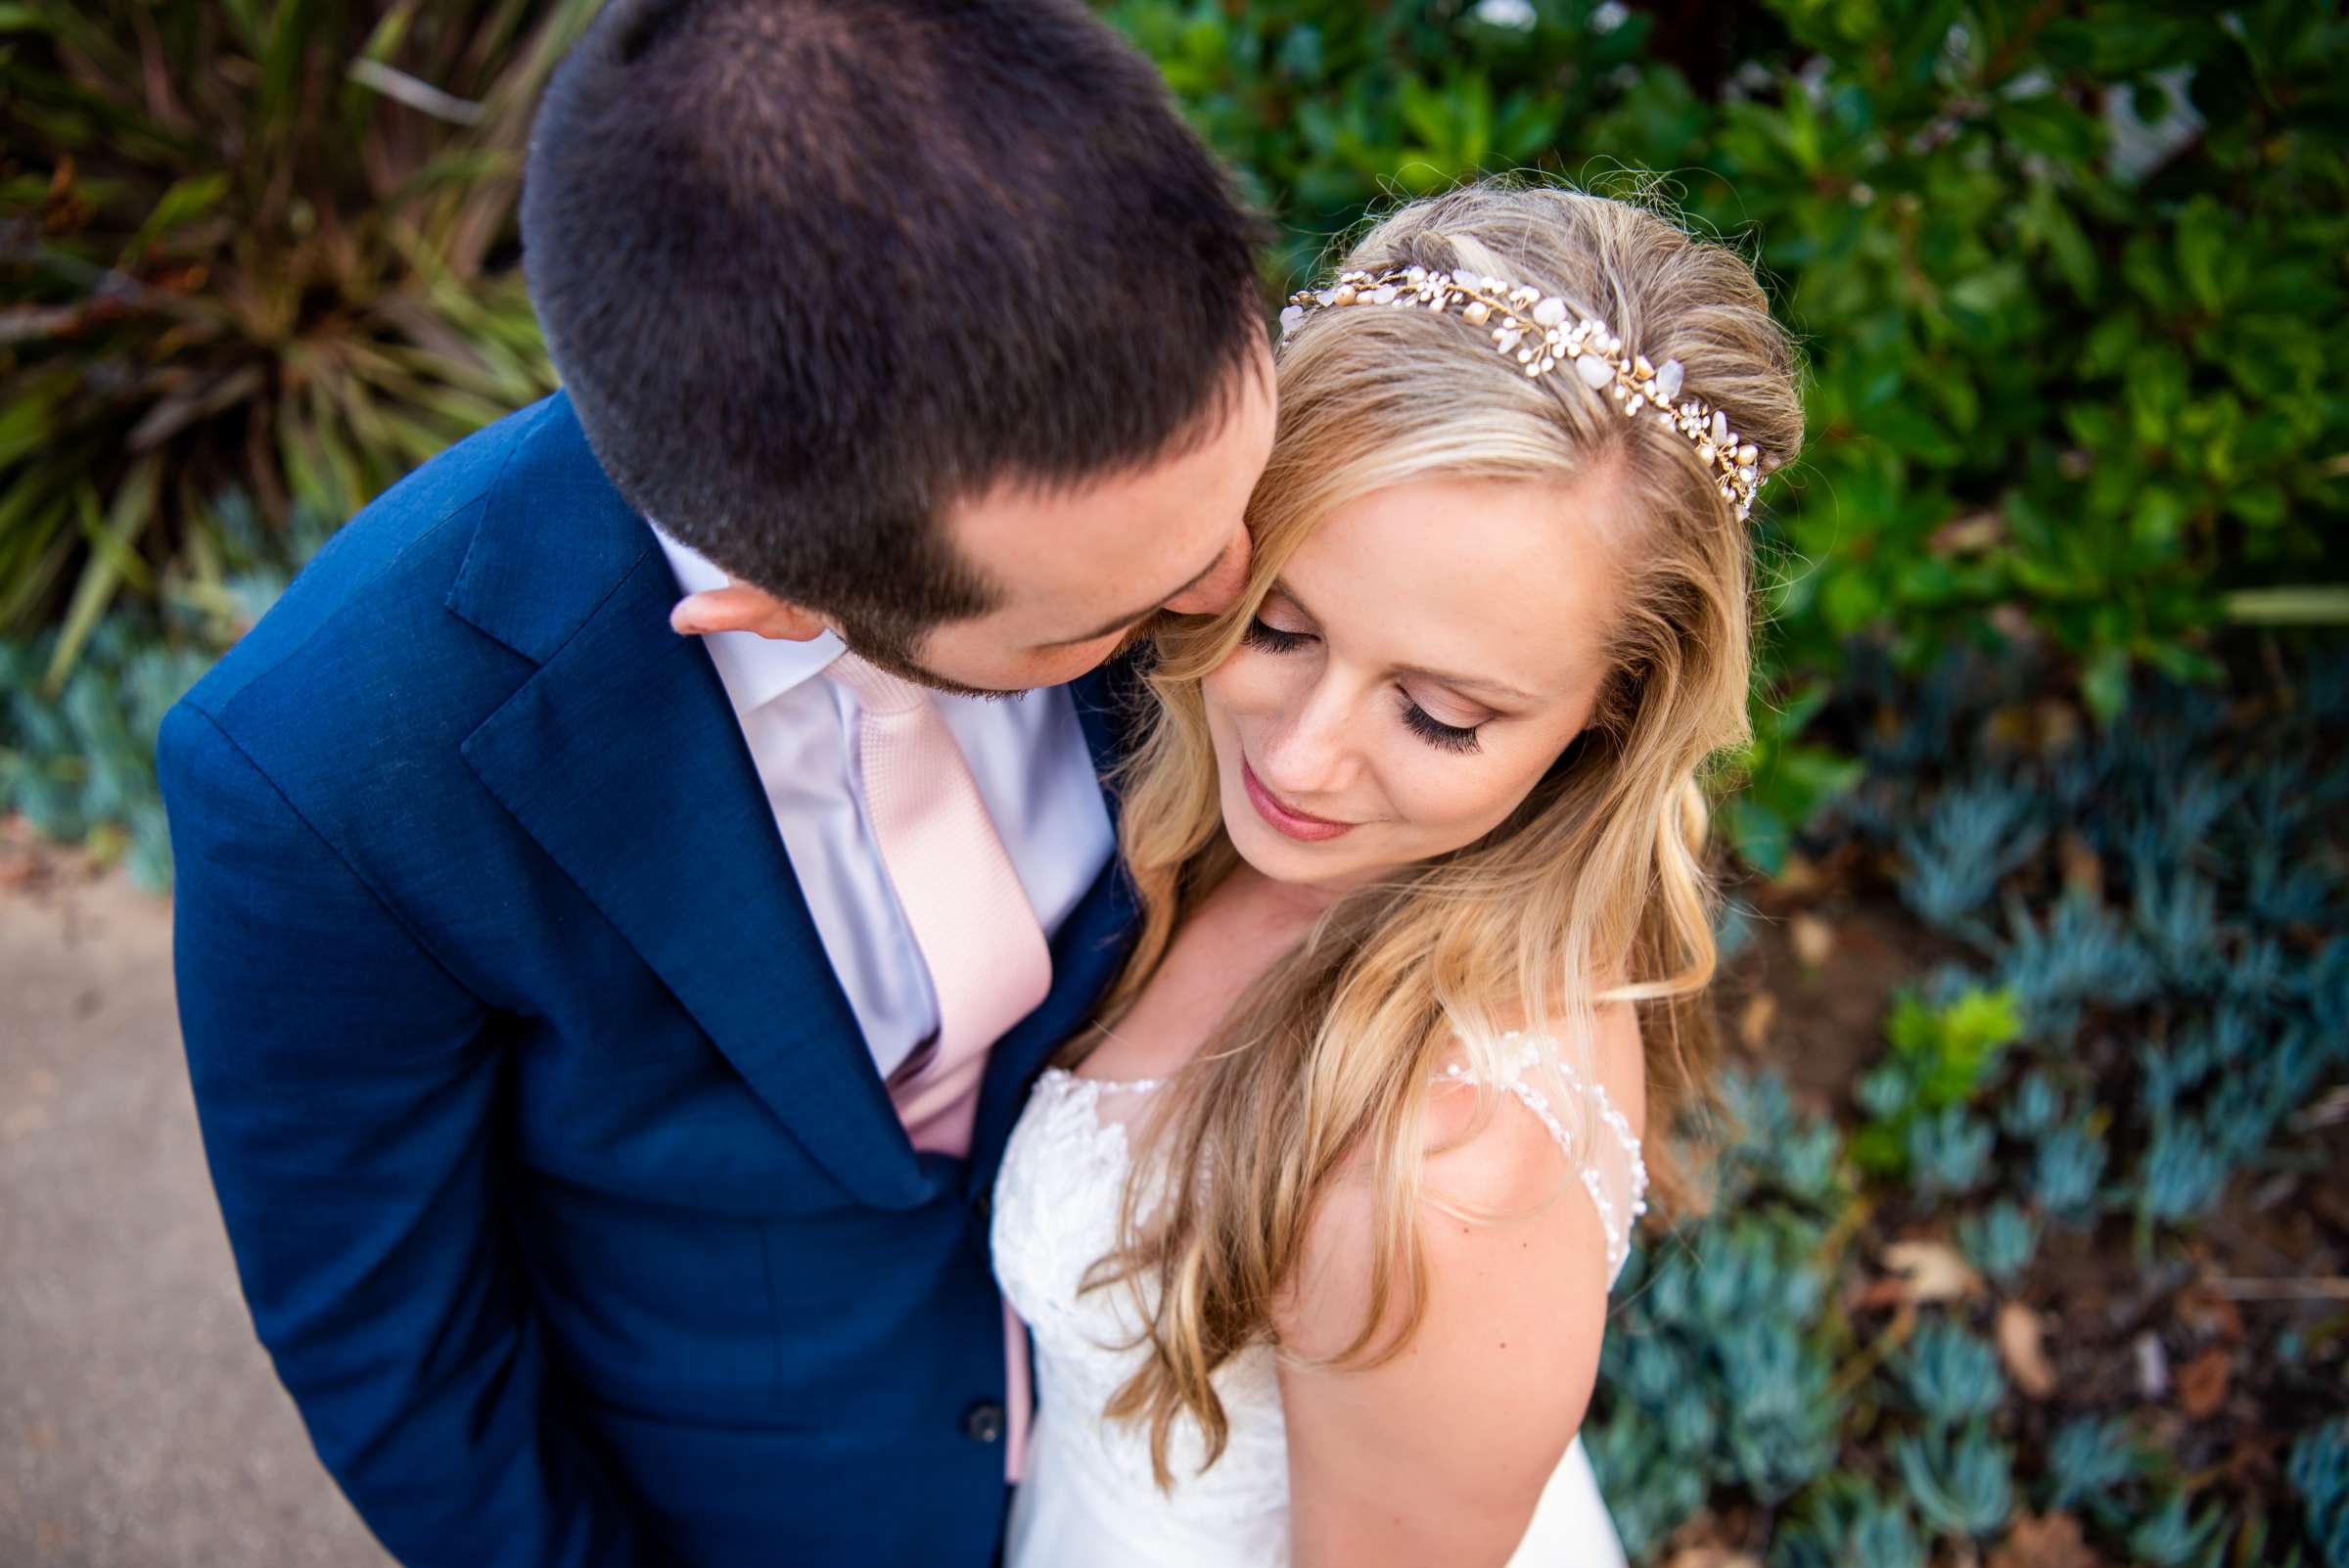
(1813, 939)
(2052, 1541)
(1797, 878)
(2022, 1346)
(1862, 1295)
(2083, 871)
(2202, 1383)
(2058, 723)
(1712, 1557)
(1753, 1024)
(1932, 1271)
(1969, 535)
(2204, 1311)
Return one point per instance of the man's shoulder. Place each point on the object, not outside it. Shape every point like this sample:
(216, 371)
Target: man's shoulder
(362, 636)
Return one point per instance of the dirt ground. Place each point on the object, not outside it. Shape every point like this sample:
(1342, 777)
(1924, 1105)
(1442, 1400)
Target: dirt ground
(140, 1424)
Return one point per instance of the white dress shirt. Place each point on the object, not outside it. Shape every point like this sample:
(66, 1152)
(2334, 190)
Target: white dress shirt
(1026, 754)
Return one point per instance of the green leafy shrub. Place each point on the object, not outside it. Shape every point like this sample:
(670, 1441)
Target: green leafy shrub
(2068, 277)
(259, 265)
(258, 248)
(1916, 1098)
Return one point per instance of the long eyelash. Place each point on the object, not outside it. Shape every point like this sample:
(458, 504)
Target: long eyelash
(1271, 639)
(1436, 733)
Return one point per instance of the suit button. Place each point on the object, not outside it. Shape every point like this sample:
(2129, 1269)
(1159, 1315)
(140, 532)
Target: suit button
(983, 1422)
(982, 1204)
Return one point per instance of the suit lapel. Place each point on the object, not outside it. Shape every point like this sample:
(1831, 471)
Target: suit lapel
(622, 757)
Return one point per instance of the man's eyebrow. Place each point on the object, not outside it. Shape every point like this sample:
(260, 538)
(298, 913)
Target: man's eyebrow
(1472, 684)
(1121, 622)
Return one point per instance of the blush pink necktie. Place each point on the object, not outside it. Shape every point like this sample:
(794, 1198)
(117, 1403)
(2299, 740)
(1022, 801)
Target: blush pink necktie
(977, 935)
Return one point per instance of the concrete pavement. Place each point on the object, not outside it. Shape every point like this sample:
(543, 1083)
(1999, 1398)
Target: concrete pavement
(140, 1424)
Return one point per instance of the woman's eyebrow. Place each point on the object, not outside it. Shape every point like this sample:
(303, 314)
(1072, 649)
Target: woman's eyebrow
(1470, 684)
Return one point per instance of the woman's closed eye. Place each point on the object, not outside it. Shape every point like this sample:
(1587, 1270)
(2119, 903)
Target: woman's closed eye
(1264, 635)
(1270, 638)
(1433, 730)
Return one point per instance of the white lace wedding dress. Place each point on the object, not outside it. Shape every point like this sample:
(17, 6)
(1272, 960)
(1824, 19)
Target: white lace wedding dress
(1088, 1500)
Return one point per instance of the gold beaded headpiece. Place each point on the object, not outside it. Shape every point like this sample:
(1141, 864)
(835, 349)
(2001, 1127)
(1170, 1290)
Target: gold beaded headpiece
(1533, 327)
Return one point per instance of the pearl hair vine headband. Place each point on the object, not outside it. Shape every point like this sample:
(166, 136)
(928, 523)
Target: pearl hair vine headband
(1533, 327)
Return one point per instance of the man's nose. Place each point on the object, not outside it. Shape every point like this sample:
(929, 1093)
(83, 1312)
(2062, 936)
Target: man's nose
(1220, 588)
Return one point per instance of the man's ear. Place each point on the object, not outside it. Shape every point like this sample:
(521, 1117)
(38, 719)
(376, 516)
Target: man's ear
(739, 607)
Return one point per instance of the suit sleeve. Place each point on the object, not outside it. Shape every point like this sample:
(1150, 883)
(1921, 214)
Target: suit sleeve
(347, 1088)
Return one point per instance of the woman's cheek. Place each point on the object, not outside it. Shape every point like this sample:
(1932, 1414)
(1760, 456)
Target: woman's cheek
(1249, 682)
(1451, 800)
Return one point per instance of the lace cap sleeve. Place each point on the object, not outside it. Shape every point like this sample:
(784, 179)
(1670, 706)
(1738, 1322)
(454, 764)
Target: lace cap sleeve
(1595, 1135)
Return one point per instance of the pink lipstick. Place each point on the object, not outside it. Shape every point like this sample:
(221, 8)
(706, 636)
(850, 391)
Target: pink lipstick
(1285, 819)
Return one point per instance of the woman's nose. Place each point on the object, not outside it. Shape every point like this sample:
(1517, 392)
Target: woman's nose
(1306, 752)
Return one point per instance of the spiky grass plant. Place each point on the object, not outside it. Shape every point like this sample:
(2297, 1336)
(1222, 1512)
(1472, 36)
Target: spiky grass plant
(259, 246)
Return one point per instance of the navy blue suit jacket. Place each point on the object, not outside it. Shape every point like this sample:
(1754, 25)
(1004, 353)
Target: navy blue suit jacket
(563, 1188)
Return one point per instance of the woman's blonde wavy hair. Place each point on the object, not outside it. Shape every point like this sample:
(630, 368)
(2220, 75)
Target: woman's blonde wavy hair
(1318, 1073)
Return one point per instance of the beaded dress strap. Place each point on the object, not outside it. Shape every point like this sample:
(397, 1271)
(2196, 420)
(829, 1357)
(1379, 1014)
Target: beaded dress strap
(1519, 1057)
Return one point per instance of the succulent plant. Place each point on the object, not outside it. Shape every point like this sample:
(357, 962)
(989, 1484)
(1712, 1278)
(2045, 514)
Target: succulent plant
(1973, 836)
(1649, 1492)
(2033, 1107)
(2088, 1457)
(2065, 1172)
(1962, 1484)
(2182, 1173)
(1716, 1371)
(2076, 956)
(2319, 1471)
(1847, 1522)
(1950, 1375)
(2000, 1241)
(1949, 1151)
(2169, 1537)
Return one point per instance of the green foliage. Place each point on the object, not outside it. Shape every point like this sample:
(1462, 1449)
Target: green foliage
(1962, 1484)
(2319, 1471)
(2171, 989)
(1951, 1377)
(246, 263)
(2068, 277)
(2170, 1537)
(81, 767)
(1915, 1098)
(1718, 1371)
(2000, 1241)
(2089, 1458)
(1781, 782)
(1847, 1521)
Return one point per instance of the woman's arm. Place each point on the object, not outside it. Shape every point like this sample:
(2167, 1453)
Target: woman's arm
(1439, 1455)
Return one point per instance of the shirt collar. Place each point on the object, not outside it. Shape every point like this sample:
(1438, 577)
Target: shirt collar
(755, 670)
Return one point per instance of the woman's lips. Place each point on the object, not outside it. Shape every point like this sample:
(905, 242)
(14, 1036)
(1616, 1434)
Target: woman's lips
(1293, 823)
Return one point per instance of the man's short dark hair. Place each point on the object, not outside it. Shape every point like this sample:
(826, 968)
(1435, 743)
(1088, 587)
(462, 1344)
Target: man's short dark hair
(812, 270)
